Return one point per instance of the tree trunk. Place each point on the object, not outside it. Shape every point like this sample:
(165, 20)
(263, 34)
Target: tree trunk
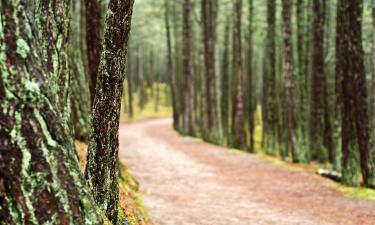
(355, 126)
(40, 180)
(318, 151)
(141, 78)
(209, 22)
(130, 86)
(288, 78)
(225, 84)
(358, 76)
(102, 165)
(270, 81)
(250, 80)
(80, 98)
(238, 106)
(94, 42)
(189, 112)
(171, 70)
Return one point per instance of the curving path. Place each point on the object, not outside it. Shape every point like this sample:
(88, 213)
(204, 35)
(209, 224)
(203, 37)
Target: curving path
(188, 182)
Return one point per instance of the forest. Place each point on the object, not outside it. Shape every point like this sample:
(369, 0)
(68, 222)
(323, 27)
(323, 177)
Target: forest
(178, 112)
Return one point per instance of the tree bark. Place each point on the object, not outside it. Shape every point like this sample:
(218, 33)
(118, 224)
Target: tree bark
(130, 87)
(40, 180)
(52, 23)
(288, 78)
(94, 42)
(238, 106)
(80, 98)
(269, 83)
(189, 112)
(318, 151)
(250, 79)
(225, 83)
(171, 70)
(355, 126)
(209, 22)
(102, 165)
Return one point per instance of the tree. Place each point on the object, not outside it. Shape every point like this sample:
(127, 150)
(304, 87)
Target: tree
(130, 86)
(357, 147)
(209, 22)
(188, 71)
(171, 70)
(94, 42)
(288, 78)
(238, 106)
(269, 82)
(102, 165)
(80, 97)
(250, 79)
(39, 174)
(225, 82)
(317, 84)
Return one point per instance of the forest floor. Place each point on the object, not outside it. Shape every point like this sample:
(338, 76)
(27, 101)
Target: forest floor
(185, 181)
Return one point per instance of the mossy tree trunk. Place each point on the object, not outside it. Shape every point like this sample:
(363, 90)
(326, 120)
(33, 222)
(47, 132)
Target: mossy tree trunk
(102, 165)
(301, 80)
(40, 180)
(52, 26)
(79, 84)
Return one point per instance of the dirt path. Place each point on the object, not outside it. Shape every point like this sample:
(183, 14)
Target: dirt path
(186, 182)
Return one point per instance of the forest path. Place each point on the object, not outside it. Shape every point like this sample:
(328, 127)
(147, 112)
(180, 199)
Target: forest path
(185, 181)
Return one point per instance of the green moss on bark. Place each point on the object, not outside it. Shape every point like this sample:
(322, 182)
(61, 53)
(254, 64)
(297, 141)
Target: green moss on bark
(40, 181)
(102, 168)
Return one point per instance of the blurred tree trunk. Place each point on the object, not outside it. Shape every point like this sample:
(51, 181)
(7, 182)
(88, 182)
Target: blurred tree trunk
(40, 179)
(339, 73)
(102, 160)
(188, 71)
(94, 41)
(328, 110)
(51, 18)
(288, 78)
(356, 120)
(80, 98)
(170, 69)
(238, 106)
(130, 86)
(302, 100)
(350, 153)
(358, 76)
(250, 79)
(269, 82)
(141, 78)
(318, 151)
(209, 22)
(225, 81)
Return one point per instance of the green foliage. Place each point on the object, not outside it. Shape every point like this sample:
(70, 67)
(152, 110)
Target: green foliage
(164, 108)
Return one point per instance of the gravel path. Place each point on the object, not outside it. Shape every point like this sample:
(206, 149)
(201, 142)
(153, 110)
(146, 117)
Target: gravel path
(188, 182)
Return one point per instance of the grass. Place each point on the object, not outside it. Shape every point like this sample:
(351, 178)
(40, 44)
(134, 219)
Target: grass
(356, 192)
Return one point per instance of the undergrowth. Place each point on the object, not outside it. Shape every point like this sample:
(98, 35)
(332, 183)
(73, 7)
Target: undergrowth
(130, 202)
